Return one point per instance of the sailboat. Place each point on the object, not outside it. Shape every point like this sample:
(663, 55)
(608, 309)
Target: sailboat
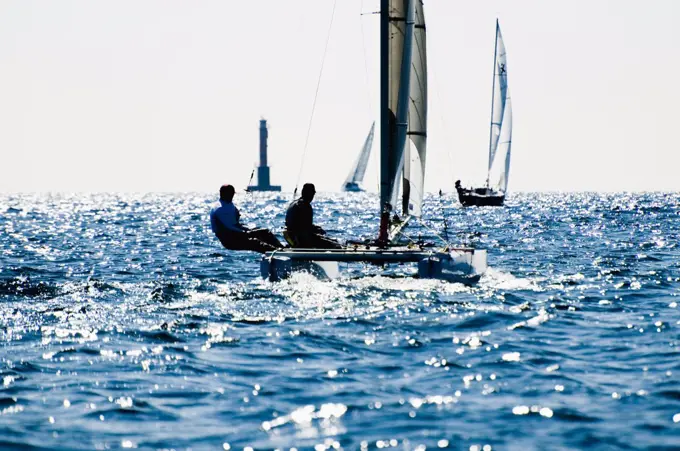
(356, 175)
(403, 139)
(500, 137)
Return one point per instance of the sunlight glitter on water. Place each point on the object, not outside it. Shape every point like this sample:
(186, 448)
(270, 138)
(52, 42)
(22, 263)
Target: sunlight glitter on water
(134, 316)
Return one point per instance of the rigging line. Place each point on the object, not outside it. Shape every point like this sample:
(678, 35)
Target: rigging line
(443, 125)
(441, 207)
(363, 48)
(401, 233)
(367, 78)
(447, 133)
(422, 222)
(466, 223)
(316, 95)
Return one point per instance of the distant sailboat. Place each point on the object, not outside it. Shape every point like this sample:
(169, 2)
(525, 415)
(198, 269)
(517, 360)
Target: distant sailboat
(356, 175)
(500, 137)
(403, 138)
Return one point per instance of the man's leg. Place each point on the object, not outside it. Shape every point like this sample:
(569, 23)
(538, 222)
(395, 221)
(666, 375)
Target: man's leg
(266, 236)
(239, 241)
(314, 241)
(260, 246)
(230, 240)
(322, 242)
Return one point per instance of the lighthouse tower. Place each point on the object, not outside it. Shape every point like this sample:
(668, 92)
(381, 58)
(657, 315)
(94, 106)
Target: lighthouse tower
(263, 181)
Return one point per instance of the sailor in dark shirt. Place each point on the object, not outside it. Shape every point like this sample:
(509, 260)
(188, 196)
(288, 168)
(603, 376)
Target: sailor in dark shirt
(300, 228)
(226, 225)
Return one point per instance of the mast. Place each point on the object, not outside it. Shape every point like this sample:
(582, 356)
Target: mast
(493, 95)
(384, 119)
(395, 70)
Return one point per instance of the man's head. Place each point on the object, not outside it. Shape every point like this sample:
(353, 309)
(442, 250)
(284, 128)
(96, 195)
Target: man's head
(308, 191)
(227, 193)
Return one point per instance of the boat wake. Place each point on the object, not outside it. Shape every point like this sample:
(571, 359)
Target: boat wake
(495, 279)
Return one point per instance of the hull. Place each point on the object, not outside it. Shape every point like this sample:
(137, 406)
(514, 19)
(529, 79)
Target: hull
(352, 188)
(480, 197)
(275, 188)
(458, 265)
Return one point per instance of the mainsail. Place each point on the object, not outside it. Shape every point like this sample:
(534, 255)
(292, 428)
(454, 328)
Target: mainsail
(500, 135)
(403, 108)
(416, 144)
(500, 169)
(356, 175)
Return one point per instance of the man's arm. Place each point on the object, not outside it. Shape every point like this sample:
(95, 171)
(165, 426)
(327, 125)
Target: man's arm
(313, 227)
(318, 230)
(214, 223)
(293, 218)
(226, 222)
(238, 221)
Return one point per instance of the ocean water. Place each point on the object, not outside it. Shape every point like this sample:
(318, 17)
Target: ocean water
(124, 324)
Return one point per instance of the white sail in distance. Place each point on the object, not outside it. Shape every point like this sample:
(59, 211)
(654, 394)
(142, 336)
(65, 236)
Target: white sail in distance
(500, 139)
(356, 175)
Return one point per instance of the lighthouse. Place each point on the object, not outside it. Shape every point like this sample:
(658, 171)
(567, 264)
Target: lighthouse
(263, 181)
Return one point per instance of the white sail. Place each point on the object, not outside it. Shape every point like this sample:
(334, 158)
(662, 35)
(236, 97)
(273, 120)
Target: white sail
(356, 175)
(406, 103)
(501, 119)
(416, 144)
(399, 39)
(500, 169)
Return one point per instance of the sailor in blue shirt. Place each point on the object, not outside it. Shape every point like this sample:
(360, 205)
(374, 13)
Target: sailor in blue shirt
(226, 225)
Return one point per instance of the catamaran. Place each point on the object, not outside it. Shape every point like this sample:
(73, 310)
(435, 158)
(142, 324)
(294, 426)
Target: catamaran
(356, 175)
(403, 139)
(500, 137)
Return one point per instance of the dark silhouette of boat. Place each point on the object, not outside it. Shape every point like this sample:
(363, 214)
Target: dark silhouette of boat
(480, 197)
(500, 138)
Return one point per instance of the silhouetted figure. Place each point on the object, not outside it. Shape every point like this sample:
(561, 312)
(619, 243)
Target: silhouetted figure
(225, 224)
(300, 229)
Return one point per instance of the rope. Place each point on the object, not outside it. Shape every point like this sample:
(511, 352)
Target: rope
(401, 233)
(367, 80)
(363, 48)
(421, 222)
(448, 150)
(316, 95)
(443, 124)
(441, 207)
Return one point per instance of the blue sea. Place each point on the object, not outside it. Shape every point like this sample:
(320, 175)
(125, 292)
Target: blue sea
(124, 324)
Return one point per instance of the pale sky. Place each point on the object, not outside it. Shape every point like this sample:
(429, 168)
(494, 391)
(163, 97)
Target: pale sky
(166, 95)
